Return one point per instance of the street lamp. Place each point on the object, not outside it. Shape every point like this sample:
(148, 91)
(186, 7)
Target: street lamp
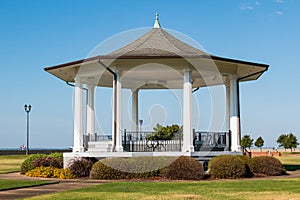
(141, 123)
(27, 110)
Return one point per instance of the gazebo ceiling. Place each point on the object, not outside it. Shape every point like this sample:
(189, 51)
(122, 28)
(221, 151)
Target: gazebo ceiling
(157, 60)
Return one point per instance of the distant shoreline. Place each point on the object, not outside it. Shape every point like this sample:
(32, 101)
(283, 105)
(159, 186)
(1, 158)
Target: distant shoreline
(15, 151)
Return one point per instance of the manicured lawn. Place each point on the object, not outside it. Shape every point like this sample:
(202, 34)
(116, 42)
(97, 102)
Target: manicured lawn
(230, 189)
(13, 184)
(291, 162)
(11, 163)
(290, 159)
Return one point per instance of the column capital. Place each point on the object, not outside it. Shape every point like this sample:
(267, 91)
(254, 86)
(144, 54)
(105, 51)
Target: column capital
(187, 69)
(135, 90)
(118, 72)
(90, 86)
(90, 81)
(187, 76)
(78, 79)
(233, 77)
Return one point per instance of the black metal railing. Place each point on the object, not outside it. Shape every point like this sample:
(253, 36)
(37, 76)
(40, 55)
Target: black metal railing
(203, 141)
(215, 141)
(138, 142)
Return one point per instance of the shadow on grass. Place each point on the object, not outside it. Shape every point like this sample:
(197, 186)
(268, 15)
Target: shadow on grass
(291, 167)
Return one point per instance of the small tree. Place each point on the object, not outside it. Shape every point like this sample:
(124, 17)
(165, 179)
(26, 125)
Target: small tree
(288, 141)
(259, 142)
(246, 142)
(164, 132)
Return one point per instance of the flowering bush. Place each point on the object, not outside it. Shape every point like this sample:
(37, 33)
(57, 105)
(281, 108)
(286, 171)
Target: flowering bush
(27, 164)
(48, 161)
(81, 167)
(50, 172)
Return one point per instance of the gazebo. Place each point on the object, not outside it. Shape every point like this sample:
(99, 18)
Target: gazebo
(157, 60)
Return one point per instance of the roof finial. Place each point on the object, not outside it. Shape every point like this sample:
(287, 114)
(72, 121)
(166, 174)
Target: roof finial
(156, 23)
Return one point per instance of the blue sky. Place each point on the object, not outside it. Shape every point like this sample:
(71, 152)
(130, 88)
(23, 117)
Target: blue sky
(38, 34)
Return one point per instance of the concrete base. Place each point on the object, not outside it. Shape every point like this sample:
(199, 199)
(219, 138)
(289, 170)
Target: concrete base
(199, 155)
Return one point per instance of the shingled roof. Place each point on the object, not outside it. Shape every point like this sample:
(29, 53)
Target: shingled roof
(154, 57)
(157, 42)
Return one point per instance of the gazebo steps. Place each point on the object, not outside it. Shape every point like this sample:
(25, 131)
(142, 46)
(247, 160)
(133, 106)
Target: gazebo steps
(100, 146)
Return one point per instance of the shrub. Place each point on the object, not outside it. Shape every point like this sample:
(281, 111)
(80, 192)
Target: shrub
(102, 171)
(248, 164)
(57, 155)
(81, 167)
(267, 165)
(27, 164)
(227, 167)
(56, 162)
(128, 168)
(184, 168)
(50, 172)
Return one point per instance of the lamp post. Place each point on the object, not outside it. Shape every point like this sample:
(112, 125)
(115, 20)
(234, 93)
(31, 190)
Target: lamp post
(27, 110)
(141, 123)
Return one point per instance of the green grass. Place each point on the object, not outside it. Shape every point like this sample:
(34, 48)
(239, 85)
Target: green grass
(11, 163)
(14, 184)
(216, 190)
(289, 159)
(291, 162)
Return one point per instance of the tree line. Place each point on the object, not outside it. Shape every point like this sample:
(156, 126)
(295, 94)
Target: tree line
(287, 141)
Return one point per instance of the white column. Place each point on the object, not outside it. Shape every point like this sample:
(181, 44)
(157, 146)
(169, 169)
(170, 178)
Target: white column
(114, 119)
(90, 112)
(135, 110)
(234, 115)
(78, 132)
(187, 112)
(119, 147)
(227, 86)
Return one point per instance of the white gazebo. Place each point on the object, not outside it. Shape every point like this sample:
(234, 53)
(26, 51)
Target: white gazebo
(157, 60)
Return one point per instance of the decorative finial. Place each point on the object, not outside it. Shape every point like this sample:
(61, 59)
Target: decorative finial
(156, 23)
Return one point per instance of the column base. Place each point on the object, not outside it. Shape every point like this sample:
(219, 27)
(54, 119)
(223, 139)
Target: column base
(188, 149)
(78, 149)
(236, 148)
(119, 149)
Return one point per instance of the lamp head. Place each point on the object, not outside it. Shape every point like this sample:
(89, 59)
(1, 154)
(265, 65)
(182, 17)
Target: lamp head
(141, 121)
(27, 108)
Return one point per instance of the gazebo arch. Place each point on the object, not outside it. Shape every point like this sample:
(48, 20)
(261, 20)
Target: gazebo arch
(142, 62)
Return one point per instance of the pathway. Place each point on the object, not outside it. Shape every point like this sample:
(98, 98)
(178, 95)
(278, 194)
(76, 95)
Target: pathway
(62, 185)
(68, 184)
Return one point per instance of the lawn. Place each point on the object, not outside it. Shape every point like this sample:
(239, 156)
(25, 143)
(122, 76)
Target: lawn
(230, 189)
(290, 161)
(13, 184)
(11, 163)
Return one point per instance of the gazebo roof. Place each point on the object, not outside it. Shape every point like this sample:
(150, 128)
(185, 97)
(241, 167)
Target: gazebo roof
(155, 57)
(157, 42)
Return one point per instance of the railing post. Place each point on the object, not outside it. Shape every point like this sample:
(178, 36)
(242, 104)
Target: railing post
(180, 140)
(229, 141)
(131, 142)
(124, 144)
(194, 137)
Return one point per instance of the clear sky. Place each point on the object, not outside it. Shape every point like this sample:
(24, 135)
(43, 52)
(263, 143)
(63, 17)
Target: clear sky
(37, 34)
